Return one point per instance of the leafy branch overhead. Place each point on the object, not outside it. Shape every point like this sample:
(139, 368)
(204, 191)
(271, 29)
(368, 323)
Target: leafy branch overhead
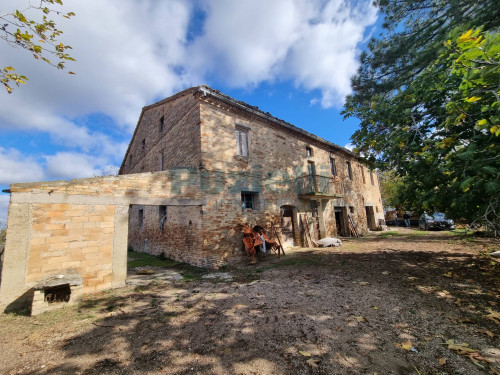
(41, 38)
(428, 97)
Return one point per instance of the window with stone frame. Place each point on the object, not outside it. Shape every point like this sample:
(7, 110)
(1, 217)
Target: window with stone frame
(349, 170)
(249, 200)
(309, 152)
(242, 141)
(333, 168)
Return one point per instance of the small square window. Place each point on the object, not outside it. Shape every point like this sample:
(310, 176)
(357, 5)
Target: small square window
(309, 152)
(249, 200)
(351, 209)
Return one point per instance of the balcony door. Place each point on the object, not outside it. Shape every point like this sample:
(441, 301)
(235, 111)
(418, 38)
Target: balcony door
(311, 171)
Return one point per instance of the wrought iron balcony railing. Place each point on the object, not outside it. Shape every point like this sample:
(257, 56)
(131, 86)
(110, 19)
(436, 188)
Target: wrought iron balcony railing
(316, 185)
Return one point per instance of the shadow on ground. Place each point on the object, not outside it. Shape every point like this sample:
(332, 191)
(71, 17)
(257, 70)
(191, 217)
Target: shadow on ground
(311, 312)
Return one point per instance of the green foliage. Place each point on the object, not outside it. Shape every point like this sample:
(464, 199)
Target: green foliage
(390, 185)
(145, 260)
(39, 37)
(431, 115)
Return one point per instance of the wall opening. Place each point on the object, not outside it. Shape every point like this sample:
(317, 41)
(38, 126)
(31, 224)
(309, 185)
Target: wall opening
(60, 293)
(287, 226)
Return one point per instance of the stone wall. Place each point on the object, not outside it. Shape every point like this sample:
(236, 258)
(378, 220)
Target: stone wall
(72, 237)
(176, 144)
(178, 238)
(277, 156)
(205, 128)
(81, 226)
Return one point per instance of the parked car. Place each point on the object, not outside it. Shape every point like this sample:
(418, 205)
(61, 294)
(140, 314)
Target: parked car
(435, 221)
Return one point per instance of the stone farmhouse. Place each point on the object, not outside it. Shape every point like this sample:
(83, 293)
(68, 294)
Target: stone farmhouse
(253, 169)
(200, 166)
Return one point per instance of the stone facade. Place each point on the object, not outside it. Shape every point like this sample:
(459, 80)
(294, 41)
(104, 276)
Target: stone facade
(200, 128)
(81, 227)
(199, 167)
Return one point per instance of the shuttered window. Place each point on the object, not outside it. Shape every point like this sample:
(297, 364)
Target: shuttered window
(242, 142)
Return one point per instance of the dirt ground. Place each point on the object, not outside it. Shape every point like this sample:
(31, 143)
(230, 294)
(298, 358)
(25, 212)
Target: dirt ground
(387, 303)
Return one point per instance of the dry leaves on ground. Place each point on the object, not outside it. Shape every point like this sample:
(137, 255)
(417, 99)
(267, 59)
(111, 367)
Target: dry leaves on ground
(494, 316)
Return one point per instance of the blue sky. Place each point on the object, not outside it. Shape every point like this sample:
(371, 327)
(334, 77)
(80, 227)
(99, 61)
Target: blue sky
(292, 58)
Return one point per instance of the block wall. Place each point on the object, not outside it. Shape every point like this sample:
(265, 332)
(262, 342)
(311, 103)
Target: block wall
(72, 237)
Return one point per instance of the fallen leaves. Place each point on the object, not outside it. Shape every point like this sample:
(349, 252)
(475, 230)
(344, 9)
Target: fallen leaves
(359, 318)
(487, 332)
(473, 354)
(407, 345)
(313, 362)
(461, 349)
(494, 316)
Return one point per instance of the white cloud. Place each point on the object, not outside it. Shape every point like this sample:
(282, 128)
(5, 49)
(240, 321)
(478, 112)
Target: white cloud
(313, 43)
(125, 55)
(15, 167)
(349, 146)
(131, 53)
(64, 165)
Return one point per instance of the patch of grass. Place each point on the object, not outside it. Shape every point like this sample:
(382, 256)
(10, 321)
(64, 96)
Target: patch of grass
(106, 301)
(145, 260)
(418, 233)
(414, 233)
(190, 273)
(187, 271)
(390, 234)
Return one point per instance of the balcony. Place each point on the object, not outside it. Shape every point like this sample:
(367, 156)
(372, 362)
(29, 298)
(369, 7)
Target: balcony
(318, 187)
